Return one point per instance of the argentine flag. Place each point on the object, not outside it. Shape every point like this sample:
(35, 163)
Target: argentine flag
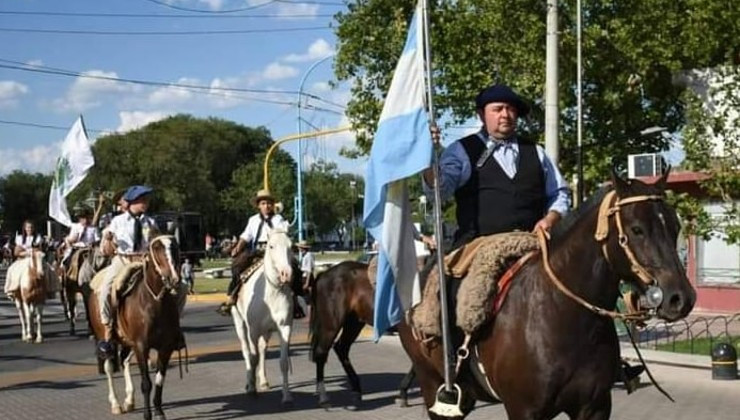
(401, 148)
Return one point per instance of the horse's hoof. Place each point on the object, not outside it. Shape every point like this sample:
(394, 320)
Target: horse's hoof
(39, 340)
(251, 393)
(264, 386)
(161, 416)
(128, 407)
(325, 403)
(116, 409)
(287, 403)
(402, 402)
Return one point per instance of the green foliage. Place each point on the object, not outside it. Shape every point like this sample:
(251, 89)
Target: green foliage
(24, 196)
(706, 128)
(632, 50)
(193, 164)
(331, 203)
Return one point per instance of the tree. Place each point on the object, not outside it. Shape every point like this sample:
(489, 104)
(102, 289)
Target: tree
(331, 201)
(712, 145)
(24, 196)
(632, 50)
(191, 163)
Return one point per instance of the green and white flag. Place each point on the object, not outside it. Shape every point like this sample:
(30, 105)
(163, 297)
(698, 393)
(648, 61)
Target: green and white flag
(72, 167)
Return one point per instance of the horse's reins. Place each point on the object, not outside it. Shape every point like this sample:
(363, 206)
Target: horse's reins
(606, 210)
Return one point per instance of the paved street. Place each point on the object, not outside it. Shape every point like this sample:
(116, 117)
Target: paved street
(58, 380)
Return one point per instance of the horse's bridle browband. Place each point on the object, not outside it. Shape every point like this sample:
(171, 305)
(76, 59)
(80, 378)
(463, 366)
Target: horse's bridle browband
(606, 210)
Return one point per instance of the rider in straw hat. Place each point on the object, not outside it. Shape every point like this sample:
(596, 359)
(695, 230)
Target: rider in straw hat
(251, 242)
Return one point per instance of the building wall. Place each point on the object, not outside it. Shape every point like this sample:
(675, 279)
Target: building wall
(710, 297)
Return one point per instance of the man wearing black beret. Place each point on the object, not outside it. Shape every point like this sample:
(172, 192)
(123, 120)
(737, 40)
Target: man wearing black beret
(501, 182)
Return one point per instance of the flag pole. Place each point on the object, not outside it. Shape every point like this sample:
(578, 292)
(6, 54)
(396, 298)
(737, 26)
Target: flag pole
(438, 237)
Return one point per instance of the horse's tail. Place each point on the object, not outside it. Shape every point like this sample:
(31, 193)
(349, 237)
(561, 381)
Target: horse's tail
(314, 321)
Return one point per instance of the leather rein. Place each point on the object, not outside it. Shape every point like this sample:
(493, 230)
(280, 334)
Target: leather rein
(610, 206)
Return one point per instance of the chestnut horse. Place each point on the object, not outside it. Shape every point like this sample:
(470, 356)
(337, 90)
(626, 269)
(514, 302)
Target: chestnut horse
(342, 304)
(545, 353)
(146, 319)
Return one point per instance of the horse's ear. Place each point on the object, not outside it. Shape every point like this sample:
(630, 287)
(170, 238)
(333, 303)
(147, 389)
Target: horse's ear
(620, 185)
(662, 183)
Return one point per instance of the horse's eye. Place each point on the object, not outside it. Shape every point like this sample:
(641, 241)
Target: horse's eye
(637, 230)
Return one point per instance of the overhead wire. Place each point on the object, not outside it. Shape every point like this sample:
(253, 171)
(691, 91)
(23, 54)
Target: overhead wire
(187, 9)
(164, 15)
(163, 33)
(20, 66)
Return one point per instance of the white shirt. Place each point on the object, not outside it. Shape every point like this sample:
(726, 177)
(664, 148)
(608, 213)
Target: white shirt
(29, 242)
(122, 227)
(82, 236)
(307, 263)
(250, 232)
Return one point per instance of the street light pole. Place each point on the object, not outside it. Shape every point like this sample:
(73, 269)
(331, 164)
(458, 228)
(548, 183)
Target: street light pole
(352, 185)
(299, 169)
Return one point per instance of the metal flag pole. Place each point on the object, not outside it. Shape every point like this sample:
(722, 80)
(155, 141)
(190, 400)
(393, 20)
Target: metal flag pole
(446, 339)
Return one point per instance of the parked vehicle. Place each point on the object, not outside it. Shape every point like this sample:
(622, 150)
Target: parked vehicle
(187, 227)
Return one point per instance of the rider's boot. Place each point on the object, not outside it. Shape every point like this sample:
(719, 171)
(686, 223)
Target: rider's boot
(630, 376)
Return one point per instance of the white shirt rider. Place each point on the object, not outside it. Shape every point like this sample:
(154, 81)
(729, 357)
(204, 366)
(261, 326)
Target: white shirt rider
(249, 235)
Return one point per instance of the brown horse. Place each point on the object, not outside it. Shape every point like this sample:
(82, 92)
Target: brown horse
(545, 353)
(90, 261)
(147, 318)
(342, 304)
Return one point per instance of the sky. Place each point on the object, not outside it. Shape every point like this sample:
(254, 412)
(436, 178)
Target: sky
(61, 59)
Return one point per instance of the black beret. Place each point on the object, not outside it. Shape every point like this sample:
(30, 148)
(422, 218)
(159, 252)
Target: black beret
(501, 93)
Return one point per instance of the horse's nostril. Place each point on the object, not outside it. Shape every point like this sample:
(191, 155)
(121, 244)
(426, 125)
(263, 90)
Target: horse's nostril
(676, 302)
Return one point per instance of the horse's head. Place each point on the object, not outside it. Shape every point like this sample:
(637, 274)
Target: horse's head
(641, 244)
(164, 253)
(278, 257)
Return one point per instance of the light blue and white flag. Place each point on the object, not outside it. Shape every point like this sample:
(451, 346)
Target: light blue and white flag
(402, 147)
(72, 167)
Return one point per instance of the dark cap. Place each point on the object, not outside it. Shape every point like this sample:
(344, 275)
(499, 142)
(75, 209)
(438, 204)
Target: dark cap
(136, 191)
(501, 93)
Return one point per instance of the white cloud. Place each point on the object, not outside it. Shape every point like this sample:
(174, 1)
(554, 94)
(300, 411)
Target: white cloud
(320, 87)
(35, 159)
(171, 95)
(275, 71)
(10, 92)
(87, 93)
(286, 10)
(131, 120)
(317, 50)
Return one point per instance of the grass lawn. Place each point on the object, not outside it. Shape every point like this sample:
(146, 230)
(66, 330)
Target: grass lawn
(702, 346)
(205, 285)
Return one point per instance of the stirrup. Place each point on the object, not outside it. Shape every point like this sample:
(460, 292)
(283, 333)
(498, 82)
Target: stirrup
(444, 408)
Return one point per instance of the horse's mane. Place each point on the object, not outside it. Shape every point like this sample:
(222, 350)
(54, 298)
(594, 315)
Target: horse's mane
(565, 225)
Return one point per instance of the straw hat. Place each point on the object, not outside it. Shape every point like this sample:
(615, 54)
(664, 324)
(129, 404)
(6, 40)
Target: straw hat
(263, 195)
(303, 244)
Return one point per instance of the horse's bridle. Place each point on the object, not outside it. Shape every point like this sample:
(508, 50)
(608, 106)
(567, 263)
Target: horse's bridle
(606, 210)
(166, 280)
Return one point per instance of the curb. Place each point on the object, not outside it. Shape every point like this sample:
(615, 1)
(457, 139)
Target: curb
(208, 297)
(693, 361)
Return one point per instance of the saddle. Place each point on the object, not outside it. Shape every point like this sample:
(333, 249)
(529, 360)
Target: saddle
(123, 283)
(75, 262)
(478, 271)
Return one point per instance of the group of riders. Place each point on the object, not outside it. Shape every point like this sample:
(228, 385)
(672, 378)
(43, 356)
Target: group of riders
(125, 237)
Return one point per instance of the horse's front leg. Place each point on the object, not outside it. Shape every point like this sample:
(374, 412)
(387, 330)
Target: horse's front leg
(22, 317)
(39, 310)
(115, 407)
(262, 381)
(142, 359)
(128, 404)
(29, 322)
(163, 359)
(284, 331)
(241, 332)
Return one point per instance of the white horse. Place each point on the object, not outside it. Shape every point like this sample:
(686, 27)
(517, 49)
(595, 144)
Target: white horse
(265, 305)
(35, 279)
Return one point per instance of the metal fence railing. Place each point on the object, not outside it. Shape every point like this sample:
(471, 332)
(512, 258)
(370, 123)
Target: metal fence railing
(689, 332)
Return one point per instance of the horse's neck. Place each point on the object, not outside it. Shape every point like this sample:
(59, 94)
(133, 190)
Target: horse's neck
(578, 261)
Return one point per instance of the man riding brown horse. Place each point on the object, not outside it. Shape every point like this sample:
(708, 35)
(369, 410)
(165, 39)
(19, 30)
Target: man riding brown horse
(501, 181)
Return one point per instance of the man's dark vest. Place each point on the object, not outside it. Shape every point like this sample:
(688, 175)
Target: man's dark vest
(491, 202)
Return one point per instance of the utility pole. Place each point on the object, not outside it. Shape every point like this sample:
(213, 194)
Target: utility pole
(551, 83)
